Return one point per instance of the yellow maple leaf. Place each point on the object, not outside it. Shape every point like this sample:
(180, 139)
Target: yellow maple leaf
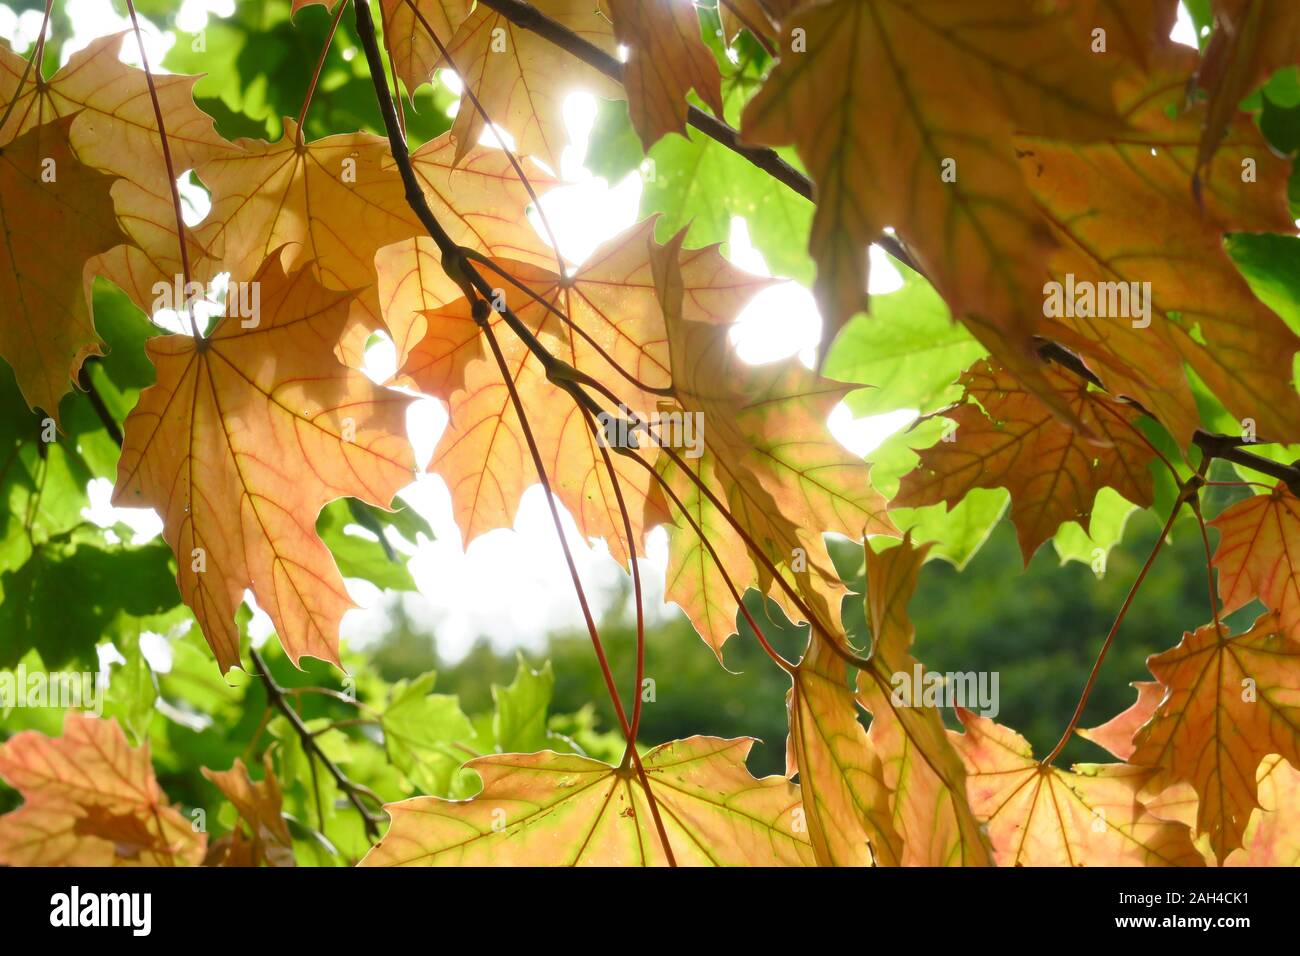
(550, 809)
(925, 777)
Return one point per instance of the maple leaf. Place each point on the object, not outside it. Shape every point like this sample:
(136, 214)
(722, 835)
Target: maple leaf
(406, 34)
(666, 59)
(1011, 440)
(480, 202)
(1229, 702)
(90, 800)
(1252, 39)
(242, 441)
(549, 809)
(1272, 837)
(117, 133)
(521, 79)
(846, 798)
(1259, 555)
(333, 202)
(262, 835)
(924, 775)
(56, 215)
(760, 17)
(1116, 735)
(903, 115)
(1043, 816)
(617, 322)
(1128, 225)
(1132, 30)
(766, 455)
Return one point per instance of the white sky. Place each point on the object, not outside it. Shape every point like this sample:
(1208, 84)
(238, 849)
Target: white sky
(511, 585)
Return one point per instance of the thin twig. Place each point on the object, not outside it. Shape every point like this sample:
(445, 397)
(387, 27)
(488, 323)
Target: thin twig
(1226, 447)
(353, 791)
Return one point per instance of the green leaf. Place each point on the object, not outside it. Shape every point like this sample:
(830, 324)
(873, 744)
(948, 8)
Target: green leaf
(369, 554)
(519, 723)
(908, 348)
(695, 181)
(131, 692)
(70, 591)
(426, 734)
(1110, 513)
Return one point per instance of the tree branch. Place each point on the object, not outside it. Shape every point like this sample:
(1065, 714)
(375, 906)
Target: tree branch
(354, 791)
(1226, 447)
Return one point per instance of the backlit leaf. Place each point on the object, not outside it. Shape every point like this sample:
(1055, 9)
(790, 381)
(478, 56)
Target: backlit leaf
(550, 809)
(244, 439)
(90, 799)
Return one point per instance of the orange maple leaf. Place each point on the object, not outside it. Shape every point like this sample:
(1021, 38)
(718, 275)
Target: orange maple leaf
(617, 324)
(666, 59)
(245, 437)
(117, 133)
(262, 834)
(521, 79)
(1259, 555)
(903, 114)
(769, 460)
(1042, 816)
(1230, 701)
(1129, 228)
(1011, 440)
(91, 799)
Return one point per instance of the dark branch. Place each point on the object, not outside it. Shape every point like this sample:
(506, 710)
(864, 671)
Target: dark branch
(1229, 448)
(454, 262)
(354, 791)
(1226, 447)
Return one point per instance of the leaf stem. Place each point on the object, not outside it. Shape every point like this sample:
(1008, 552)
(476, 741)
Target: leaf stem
(171, 173)
(320, 65)
(482, 310)
(37, 52)
(1186, 491)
